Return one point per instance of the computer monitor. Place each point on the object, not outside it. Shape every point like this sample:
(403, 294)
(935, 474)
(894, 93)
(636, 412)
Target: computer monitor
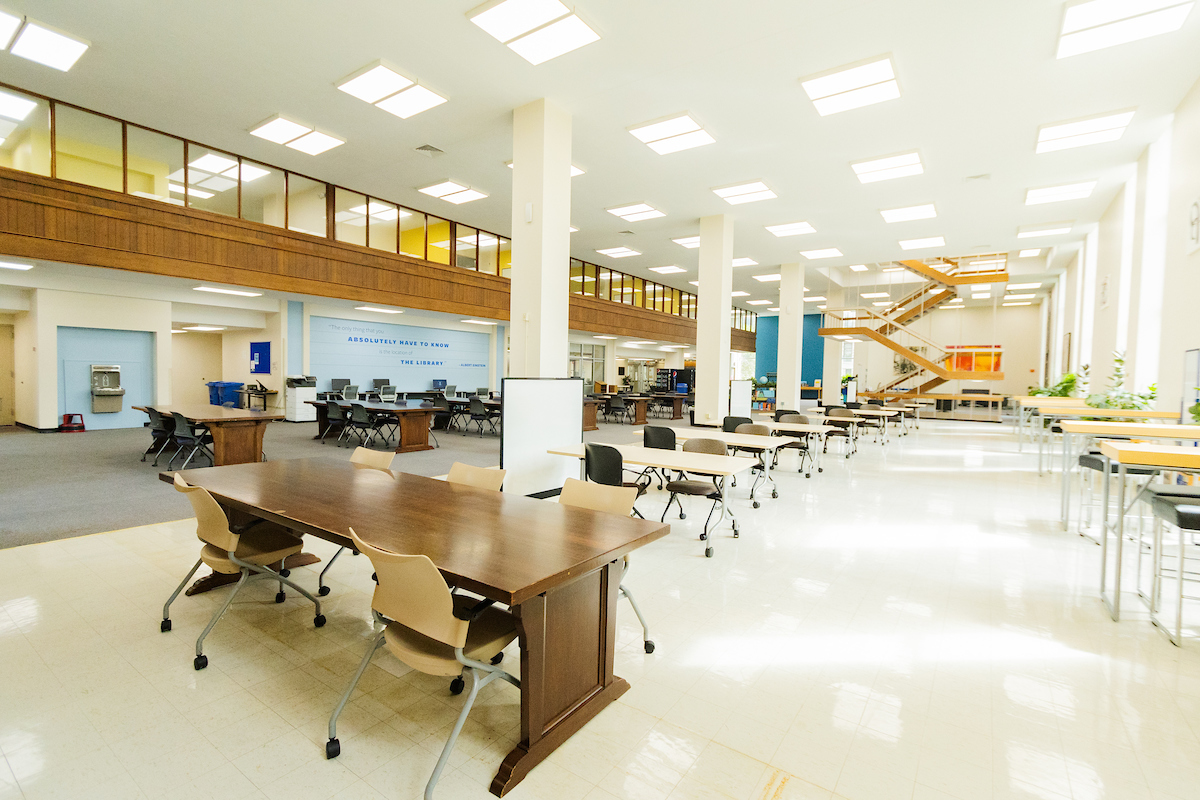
(337, 384)
(379, 383)
(439, 384)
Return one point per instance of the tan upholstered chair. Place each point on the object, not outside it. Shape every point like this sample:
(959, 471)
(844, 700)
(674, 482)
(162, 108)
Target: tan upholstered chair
(432, 631)
(617, 500)
(479, 477)
(249, 551)
(697, 488)
(806, 456)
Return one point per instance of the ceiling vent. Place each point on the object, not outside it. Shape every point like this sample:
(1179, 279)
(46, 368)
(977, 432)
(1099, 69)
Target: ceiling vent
(429, 150)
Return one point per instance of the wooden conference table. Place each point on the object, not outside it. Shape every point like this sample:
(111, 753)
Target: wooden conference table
(237, 432)
(557, 567)
(590, 407)
(640, 404)
(413, 421)
(677, 401)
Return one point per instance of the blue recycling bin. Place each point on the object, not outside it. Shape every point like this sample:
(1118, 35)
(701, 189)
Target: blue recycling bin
(214, 392)
(229, 393)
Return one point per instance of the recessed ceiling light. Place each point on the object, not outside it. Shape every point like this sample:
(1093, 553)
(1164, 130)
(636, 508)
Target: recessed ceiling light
(537, 30)
(8, 26)
(213, 163)
(573, 229)
(373, 83)
(1055, 194)
(873, 295)
(1030, 253)
(828, 252)
(1026, 303)
(452, 191)
(15, 108)
(743, 262)
(1055, 230)
(279, 130)
(203, 328)
(981, 295)
(1020, 296)
(178, 330)
(853, 87)
(774, 308)
(769, 278)
(641, 343)
(880, 305)
(315, 143)
(478, 321)
(43, 44)
(948, 307)
(926, 211)
(917, 244)
(744, 193)
(1012, 286)
(15, 265)
(759, 302)
(671, 270)
(217, 290)
(411, 101)
(1093, 130)
(694, 283)
(892, 269)
(636, 212)
(191, 192)
(882, 169)
(604, 337)
(858, 267)
(672, 134)
(1097, 24)
(379, 310)
(739, 294)
(815, 299)
(791, 229)
(249, 172)
(690, 242)
(618, 252)
(556, 39)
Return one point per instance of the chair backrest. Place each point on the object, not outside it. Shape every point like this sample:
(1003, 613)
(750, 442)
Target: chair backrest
(212, 526)
(839, 412)
(713, 447)
(729, 424)
(358, 413)
(659, 437)
(479, 477)
(874, 404)
(387, 394)
(854, 404)
(442, 403)
(477, 406)
(799, 419)
(158, 423)
(183, 428)
(376, 459)
(450, 390)
(598, 497)
(336, 412)
(603, 464)
(617, 403)
(781, 412)
(413, 593)
(482, 391)
(350, 393)
(753, 429)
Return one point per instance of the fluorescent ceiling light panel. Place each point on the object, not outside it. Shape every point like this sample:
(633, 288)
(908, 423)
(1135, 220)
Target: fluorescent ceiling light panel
(374, 83)
(315, 143)
(1026, 303)
(744, 193)
(918, 244)
(791, 229)
(556, 39)
(1094, 130)
(15, 108)
(191, 192)
(690, 242)
(618, 252)
(1055, 194)
(893, 269)
(828, 252)
(926, 211)
(855, 87)
(981, 295)
(772, 278)
(671, 270)
(744, 262)
(673, 134)
(1013, 286)
(739, 294)
(815, 299)
(636, 212)
(873, 295)
(1020, 296)
(685, 141)
(478, 321)
(507, 20)
(218, 290)
(40, 43)
(694, 283)
(880, 305)
(858, 267)
(443, 189)
(202, 328)
(249, 172)
(1061, 228)
(411, 102)
(467, 196)
(1037, 251)
(279, 130)
(8, 26)
(1097, 24)
(218, 184)
(178, 330)
(604, 337)
(641, 343)
(882, 169)
(213, 163)
(759, 302)
(379, 310)
(15, 265)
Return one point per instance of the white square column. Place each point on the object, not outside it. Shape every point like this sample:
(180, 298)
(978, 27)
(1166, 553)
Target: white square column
(831, 373)
(712, 319)
(791, 336)
(541, 241)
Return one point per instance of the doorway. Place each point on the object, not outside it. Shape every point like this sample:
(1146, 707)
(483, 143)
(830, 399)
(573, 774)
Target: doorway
(7, 379)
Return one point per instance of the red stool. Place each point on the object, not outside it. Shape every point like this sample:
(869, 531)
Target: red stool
(72, 423)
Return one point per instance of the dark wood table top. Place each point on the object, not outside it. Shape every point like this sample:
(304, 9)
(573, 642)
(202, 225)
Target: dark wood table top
(466, 401)
(373, 405)
(505, 547)
(213, 414)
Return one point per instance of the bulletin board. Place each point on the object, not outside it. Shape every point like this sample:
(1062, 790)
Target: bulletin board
(260, 358)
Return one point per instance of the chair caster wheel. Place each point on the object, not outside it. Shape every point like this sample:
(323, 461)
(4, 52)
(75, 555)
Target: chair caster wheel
(457, 685)
(756, 504)
(808, 474)
(375, 577)
(820, 469)
(703, 536)
(333, 748)
(324, 590)
(201, 662)
(165, 626)
(496, 659)
(708, 551)
(287, 573)
(682, 515)
(319, 621)
(736, 533)
(649, 646)
(280, 597)
(774, 495)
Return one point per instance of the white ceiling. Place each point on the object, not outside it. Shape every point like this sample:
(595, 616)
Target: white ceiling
(977, 79)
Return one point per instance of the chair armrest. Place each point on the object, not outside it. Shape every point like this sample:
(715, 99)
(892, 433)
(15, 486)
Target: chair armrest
(474, 612)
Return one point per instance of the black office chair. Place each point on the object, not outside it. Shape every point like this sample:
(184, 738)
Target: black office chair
(781, 412)
(729, 424)
(192, 438)
(363, 424)
(480, 415)
(660, 438)
(603, 464)
(337, 420)
(617, 406)
(161, 430)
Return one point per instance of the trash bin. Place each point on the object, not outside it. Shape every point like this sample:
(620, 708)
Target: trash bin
(214, 392)
(228, 393)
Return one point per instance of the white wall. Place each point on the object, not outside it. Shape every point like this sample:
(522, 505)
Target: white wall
(235, 357)
(195, 360)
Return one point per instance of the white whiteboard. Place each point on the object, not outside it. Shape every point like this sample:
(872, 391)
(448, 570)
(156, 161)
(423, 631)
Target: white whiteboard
(539, 414)
(740, 393)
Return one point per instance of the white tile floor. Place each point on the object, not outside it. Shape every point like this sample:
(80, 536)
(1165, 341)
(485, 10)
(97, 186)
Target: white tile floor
(911, 624)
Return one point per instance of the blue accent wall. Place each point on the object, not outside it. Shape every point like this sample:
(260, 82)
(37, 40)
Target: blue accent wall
(766, 348)
(295, 335)
(500, 348)
(132, 351)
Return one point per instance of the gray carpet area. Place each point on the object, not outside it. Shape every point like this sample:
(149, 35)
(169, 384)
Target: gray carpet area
(58, 485)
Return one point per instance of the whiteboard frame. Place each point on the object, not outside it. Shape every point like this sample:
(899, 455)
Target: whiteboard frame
(539, 414)
(741, 394)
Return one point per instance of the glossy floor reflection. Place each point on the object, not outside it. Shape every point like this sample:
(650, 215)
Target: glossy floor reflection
(910, 624)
